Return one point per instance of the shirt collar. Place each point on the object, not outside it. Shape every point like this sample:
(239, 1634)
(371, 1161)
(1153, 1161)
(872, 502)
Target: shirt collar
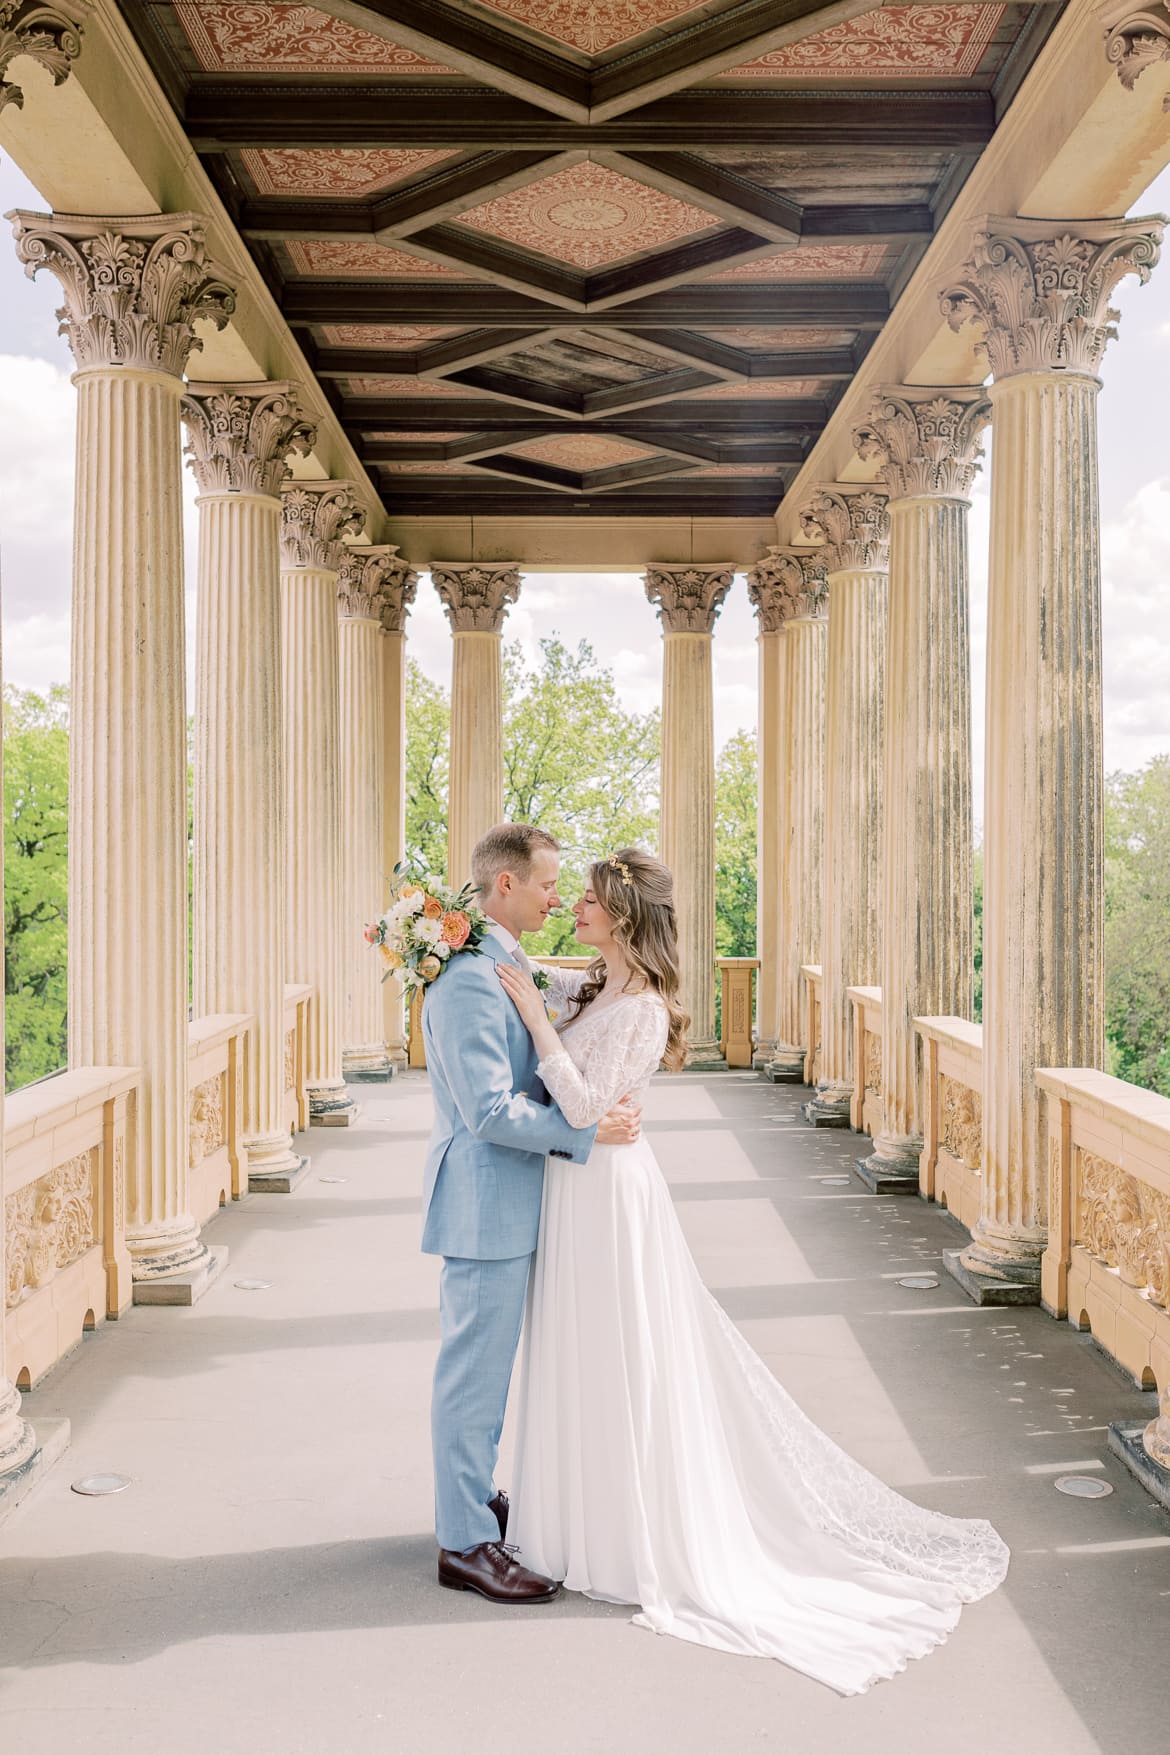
(510, 943)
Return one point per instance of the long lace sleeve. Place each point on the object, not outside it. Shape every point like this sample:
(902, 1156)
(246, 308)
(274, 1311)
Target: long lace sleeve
(565, 983)
(620, 1059)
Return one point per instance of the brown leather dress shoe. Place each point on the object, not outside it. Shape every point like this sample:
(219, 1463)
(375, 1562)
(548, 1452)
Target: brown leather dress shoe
(499, 1505)
(491, 1572)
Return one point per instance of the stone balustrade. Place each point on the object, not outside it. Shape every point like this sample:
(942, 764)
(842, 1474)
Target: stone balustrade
(865, 1107)
(216, 1159)
(68, 1142)
(737, 1008)
(952, 1108)
(811, 986)
(1107, 1264)
(297, 995)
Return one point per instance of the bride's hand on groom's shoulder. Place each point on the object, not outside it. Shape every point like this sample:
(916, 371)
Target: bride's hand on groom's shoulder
(524, 994)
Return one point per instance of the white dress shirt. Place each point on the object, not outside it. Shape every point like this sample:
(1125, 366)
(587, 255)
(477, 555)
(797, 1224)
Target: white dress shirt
(511, 944)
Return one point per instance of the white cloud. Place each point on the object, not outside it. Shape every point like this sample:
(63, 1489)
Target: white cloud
(1135, 557)
(37, 419)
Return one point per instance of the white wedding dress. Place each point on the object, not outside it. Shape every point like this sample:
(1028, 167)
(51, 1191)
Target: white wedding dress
(659, 1462)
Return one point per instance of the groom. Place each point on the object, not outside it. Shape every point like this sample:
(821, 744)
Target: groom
(484, 1176)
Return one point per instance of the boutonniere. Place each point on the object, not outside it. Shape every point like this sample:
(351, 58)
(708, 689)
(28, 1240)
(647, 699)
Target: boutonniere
(542, 980)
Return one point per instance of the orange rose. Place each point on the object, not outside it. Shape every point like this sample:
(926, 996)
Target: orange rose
(432, 908)
(456, 927)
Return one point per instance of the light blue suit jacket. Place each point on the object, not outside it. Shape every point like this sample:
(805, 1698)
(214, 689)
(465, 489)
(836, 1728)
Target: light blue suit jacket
(494, 1123)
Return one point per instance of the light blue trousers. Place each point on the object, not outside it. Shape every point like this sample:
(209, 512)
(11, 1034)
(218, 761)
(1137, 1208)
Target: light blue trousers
(481, 1310)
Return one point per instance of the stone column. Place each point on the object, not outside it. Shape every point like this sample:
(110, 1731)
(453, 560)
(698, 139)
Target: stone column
(1039, 290)
(238, 438)
(133, 290)
(476, 599)
(771, 806)
(689, 599)
(316, 516)
(48, 32)
(396, 598)
(852, 521)
(927, 441)
(365, 574)
(791, 595)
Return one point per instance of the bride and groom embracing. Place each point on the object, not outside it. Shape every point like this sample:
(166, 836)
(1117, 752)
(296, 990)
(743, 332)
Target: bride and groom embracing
(658, 1461)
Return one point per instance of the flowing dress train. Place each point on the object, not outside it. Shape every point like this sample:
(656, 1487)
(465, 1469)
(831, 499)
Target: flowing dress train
(658, 1460)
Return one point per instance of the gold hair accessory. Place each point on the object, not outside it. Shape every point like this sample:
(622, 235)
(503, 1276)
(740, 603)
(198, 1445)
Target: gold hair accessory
(620, 865)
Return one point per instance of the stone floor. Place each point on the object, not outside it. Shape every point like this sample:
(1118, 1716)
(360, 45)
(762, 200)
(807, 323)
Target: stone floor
(267, 1583)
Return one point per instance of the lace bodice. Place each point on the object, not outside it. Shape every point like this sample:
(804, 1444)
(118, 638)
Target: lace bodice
(608, 1053)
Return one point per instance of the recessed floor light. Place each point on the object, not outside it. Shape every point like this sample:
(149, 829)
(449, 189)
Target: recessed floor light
(1082, 1487)
(919, 1282)
(254, 1285)
(333, 1179)
(97, 1486)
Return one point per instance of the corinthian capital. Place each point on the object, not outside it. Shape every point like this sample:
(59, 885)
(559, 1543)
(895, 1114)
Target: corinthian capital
(927, 441)
(50, 35)
(240, 434)
(133, 288)
(1136, 36)
(688, 598)
(476, 597)
(1040, 288)
(375, 584)
(315, 518)
(787, 584)
(852, 520)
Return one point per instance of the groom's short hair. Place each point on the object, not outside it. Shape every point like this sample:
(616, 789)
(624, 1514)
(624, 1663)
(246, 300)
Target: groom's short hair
(507, 847)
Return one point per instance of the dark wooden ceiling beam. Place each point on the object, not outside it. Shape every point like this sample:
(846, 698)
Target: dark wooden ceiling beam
(223, 115)
(734, 200)
(429, 496)
(447, 192)
(784, 421)
(847, 305)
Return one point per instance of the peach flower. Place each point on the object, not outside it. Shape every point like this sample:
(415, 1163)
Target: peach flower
(429, 968)
(409, 890)
(456, 927)
(371, 935)
(432, 908)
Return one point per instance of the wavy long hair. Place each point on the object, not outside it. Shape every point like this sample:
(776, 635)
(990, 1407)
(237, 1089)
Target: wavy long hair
(637, 892)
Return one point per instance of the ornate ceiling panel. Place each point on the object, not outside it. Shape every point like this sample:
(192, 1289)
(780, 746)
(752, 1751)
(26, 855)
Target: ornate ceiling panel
(340, 172)
(765, 340)
(276, 36)
(770, 389)
(891, 42)
(585, 453)
(358, 260)
(588, 216)
(592, 26)
(812, 262)
(388, 384)
(398, 335)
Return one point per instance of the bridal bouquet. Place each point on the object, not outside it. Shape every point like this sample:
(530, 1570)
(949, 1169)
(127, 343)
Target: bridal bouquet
(426, 924)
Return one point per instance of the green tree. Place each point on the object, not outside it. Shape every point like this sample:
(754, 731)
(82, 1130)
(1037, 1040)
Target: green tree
(428, 733)
(1137, 925)
(36, 792)
(736, 793)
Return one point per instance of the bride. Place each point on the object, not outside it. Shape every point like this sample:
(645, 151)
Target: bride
(658, 1460)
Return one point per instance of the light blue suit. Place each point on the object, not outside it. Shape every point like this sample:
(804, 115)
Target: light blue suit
(483, 1182)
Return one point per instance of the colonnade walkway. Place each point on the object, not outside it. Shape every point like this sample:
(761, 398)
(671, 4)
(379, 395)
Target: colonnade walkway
(267, 1582)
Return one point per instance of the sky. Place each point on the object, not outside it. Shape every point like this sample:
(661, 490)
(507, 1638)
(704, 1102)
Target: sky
(610, 610)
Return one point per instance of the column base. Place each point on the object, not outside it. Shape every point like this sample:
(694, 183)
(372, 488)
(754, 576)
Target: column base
(366, 1066)
(331, 1106)
(184, 1288)
(396, 1055)
(786, 1066)
(888, 1175)
(830, 1106)
(270, 1158)
(705, 1056)
(1125, 1441)
(279, 1179)
(164, 1250)
(988, 1285)
(50, 1442)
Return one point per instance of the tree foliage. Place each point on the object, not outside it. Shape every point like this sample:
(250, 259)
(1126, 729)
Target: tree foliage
(736, 791)
(1137, 925)
(428, 731)
(36, 789)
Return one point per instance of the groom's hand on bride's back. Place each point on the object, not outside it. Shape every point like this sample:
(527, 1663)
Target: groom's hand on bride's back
(622, 1125)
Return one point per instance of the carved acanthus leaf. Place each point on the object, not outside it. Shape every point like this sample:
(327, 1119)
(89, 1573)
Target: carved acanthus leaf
(1136, 37)
(375, 584)
(853, 523)
(787, 584)
(688, 597)
(315, 518)
(239, 435)
(476, 596)
(927, 441)
(49, 34)
(1039, 289)
(134, 288)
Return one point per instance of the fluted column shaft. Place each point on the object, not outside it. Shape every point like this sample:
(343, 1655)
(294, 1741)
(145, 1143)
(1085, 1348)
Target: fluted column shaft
(771, 817)
(687, 832)
(804, 642)
(393, 660)
(476, 784)
(239, 879)
(362, 794)
(851, 923)
(927, 963)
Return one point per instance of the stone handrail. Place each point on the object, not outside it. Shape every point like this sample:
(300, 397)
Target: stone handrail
(1107, 1265)
(296, 1097)
(215, 1110)
(738, 1009)
(952, 1115)
(810, 1003)
(865, 1106)
(67, 1142)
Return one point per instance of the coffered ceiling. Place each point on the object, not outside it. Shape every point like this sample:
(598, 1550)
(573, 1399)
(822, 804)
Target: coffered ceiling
(612, 256)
